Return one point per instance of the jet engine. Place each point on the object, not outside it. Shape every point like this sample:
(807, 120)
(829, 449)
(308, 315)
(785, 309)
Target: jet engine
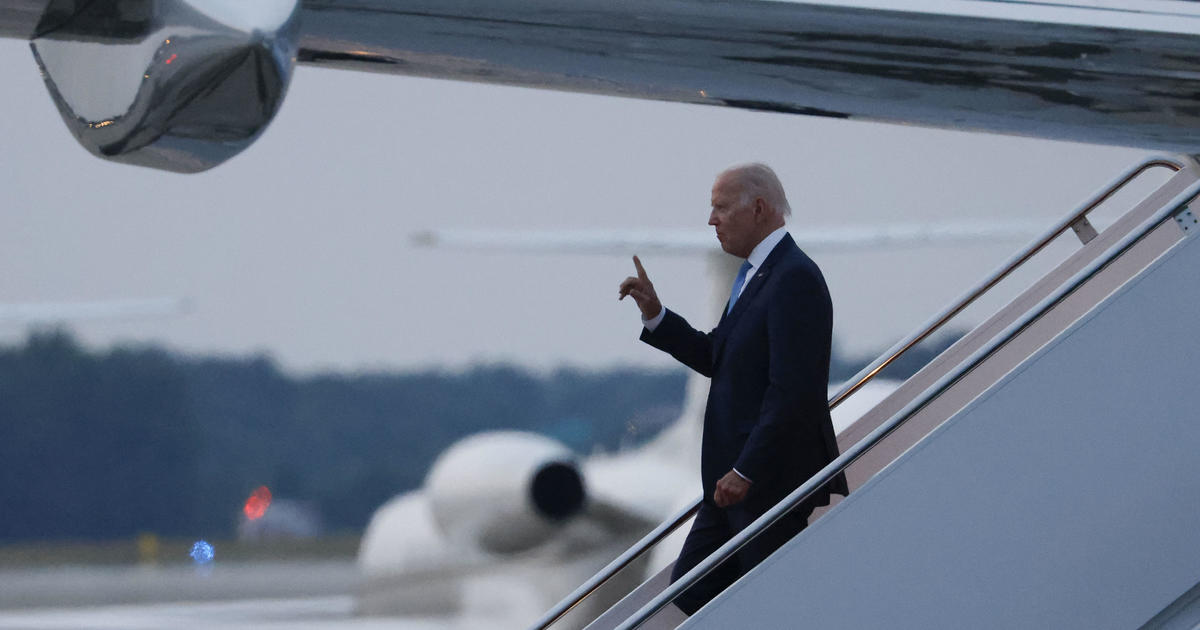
(180, 85)
(504, 491)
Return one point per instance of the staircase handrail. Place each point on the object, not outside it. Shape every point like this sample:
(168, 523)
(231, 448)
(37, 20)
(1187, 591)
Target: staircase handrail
(839, 465)
(869, 372)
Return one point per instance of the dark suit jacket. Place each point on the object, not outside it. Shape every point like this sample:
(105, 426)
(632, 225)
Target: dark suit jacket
(767, 413)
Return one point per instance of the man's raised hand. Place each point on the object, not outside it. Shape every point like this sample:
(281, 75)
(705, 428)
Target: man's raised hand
(642, 291)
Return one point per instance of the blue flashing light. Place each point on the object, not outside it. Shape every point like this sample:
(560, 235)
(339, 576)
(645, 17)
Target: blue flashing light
(202, 552)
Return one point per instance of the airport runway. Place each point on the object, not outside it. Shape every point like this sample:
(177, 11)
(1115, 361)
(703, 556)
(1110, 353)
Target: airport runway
(314, 613)
(230, 596)
(76, 586)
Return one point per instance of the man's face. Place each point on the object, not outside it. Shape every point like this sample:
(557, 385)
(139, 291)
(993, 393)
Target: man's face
(736, 223)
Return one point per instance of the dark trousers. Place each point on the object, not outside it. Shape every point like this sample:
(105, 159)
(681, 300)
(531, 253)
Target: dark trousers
(714, 527)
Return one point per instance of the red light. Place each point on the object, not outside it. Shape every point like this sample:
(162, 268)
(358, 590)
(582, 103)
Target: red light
(258, 503)
(171, 58)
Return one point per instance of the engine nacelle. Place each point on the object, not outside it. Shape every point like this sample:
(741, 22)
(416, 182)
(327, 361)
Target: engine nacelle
(505, 491)
(180, 85)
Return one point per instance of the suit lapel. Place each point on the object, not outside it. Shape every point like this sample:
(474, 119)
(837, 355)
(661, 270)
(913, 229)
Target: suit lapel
(753, 285)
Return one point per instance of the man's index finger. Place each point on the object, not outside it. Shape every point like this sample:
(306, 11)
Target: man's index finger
(641, 271)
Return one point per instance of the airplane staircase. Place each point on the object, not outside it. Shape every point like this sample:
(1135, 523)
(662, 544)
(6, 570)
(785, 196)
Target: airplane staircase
(1044, 471)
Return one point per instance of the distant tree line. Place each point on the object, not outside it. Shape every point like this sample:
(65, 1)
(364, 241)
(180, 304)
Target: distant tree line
(104, 445)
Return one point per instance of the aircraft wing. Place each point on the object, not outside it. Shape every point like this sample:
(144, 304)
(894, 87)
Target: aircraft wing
(60, 312)
(1081, 70)
(1104, 71)
(701, 241)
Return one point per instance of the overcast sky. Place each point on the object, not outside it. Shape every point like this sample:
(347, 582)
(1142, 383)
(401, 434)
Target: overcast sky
(299, 246)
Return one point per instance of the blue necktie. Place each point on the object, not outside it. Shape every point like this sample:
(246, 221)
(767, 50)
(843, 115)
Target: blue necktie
(737, 284)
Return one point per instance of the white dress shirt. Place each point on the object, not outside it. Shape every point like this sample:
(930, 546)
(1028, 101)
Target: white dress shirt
(757, 256)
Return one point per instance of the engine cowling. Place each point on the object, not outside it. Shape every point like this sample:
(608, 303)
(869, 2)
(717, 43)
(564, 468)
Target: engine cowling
(180, 85)
(504, 491)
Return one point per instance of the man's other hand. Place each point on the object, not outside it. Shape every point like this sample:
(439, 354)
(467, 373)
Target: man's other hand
(642, 291)
(731, 489)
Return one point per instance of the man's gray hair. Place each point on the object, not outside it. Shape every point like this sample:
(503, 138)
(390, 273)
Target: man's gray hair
(758, 180)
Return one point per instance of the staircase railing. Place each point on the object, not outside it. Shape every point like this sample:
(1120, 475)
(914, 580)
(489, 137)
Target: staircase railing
(839, 465)
(1076, 220)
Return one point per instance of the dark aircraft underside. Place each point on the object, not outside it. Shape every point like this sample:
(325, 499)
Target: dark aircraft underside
(1120, 76)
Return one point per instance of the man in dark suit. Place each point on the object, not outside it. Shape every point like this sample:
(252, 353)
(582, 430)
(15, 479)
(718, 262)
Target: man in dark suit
(766, 426)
